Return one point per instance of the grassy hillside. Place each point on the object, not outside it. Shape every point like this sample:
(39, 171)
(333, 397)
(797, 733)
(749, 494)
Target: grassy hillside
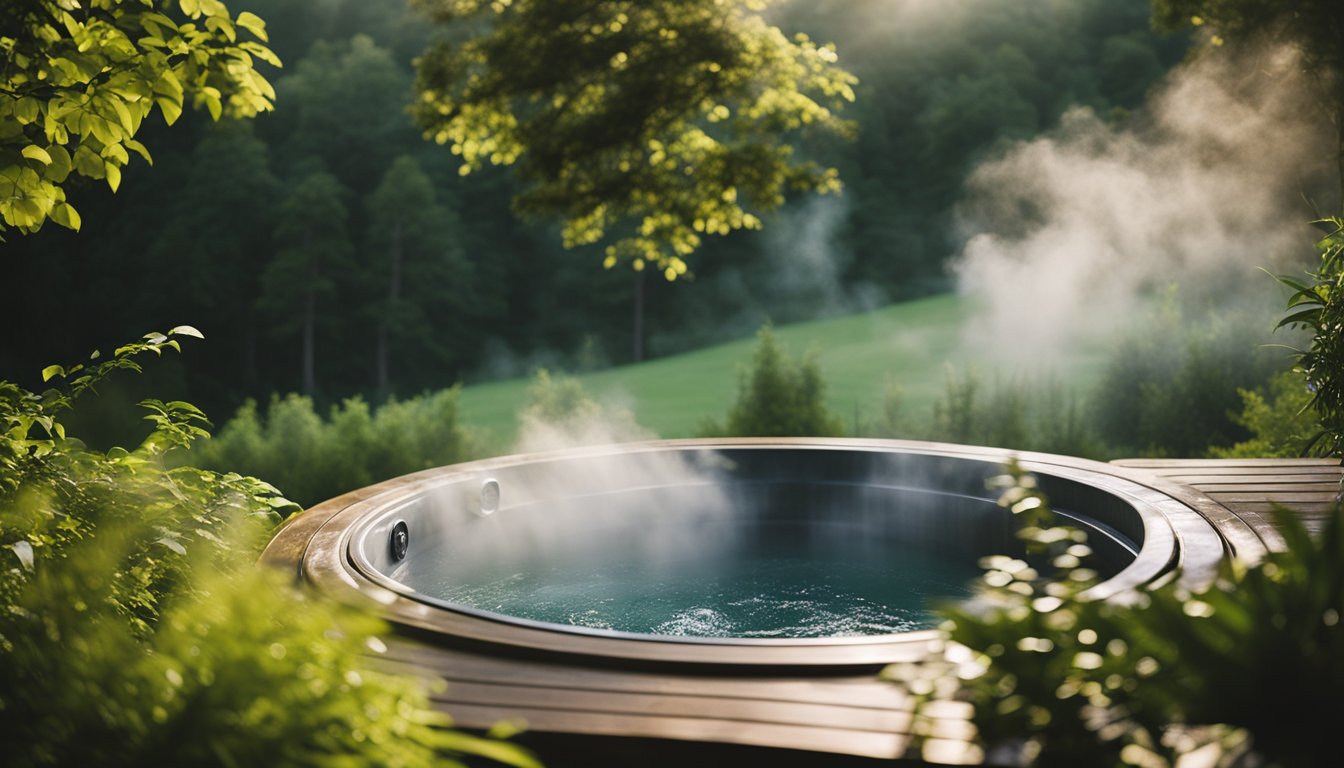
(908, 342)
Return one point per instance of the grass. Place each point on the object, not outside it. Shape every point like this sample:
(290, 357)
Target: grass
(909, 343)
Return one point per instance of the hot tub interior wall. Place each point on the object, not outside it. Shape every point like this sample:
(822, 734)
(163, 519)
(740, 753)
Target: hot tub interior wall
(663, 505)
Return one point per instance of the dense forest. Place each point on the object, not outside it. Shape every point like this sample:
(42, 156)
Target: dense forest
(259, 232)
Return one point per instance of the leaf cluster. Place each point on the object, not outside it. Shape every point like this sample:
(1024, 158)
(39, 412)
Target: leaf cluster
(650, 124)
(1318, 306)
(1242, 671)
(79, 77)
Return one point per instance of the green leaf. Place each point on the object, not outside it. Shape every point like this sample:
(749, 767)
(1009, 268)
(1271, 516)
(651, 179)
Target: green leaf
(66, 215)
(1305, 317)
(171, 108)
(113, 176)
(253, 23)
(52, 370)
(34, 152)
(61, 164)
(139, 149)
(186, 330)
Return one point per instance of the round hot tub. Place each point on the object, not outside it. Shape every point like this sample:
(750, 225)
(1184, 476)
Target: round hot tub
(750, 553)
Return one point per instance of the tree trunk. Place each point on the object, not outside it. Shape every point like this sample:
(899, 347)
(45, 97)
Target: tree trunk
(249, 352)
(638, 332)
(385, 327)
(310, 321)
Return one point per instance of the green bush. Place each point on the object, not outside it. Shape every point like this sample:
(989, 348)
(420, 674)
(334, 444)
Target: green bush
(136, 629)
(1244, 671)
(778, 397)
(314, 460)
(1280, 418)
(1318, 307)
(1170, 386)
(1030, 414)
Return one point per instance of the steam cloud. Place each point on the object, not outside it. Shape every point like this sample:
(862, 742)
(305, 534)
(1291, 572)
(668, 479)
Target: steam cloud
(1068, 232)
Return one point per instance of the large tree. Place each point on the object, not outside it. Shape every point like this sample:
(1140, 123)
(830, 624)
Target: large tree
(78, 78)
(313, 249)
(648, 124)
(414, 256)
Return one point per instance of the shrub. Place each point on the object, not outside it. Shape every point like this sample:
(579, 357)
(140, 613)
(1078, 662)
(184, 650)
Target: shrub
(313, 460)
(1280, 418)
(1242, 671)
(1318, 307)
(1170, 387)
(1021, 413)
(778, 397)
(135, 628)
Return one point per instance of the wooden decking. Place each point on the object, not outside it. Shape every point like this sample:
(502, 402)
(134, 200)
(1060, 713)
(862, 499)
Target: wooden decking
(1251, 488)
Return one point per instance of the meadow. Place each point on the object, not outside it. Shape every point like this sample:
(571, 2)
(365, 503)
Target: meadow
(910, 344)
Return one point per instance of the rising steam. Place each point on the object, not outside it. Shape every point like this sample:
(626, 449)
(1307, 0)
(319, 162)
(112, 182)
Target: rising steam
(1067, 233)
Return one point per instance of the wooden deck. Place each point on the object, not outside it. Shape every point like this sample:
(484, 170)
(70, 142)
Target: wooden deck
(1251, 488)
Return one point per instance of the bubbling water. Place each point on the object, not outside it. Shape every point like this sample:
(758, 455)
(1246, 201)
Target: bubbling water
(765, 581)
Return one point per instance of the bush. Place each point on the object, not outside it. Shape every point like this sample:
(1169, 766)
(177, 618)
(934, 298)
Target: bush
(293, 448)
(778, 397)
(1318, 307)
(135, 628)
(1171, 386)
(1242, 671)
(1020, 413)
(1280, 418)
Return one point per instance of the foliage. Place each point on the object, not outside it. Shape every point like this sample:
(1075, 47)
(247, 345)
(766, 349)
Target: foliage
(1318, 306)
(135, 628)
(54, 493)
(1237, 672)
(659, 120)
(1170, 384)
(245, 671)
(313, 249)
(314, 460)
(1026, 413)
(778, 397)
(79, 78)
(1280, 418)
(413, 250)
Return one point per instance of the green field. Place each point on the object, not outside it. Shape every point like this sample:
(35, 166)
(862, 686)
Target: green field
(909, 343)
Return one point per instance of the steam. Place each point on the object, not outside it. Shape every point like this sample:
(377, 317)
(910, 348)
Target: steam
(1069, 232)
(805, 265)
(565, 417)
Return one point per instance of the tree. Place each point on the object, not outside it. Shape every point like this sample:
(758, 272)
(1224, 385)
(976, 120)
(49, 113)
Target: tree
(79, 77)
(345, 103)
(414, 253)
(779, 397)
(649, 124)
(312, 245)
(214, 239)
(1316, 27)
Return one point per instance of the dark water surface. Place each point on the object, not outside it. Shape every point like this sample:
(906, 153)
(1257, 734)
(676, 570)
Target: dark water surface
(776, 583)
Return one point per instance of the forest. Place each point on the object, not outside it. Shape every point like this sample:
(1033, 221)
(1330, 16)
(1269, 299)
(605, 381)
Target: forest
(222, 230)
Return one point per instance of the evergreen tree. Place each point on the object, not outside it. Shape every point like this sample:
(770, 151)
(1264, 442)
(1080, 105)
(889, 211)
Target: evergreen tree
(312, 248)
